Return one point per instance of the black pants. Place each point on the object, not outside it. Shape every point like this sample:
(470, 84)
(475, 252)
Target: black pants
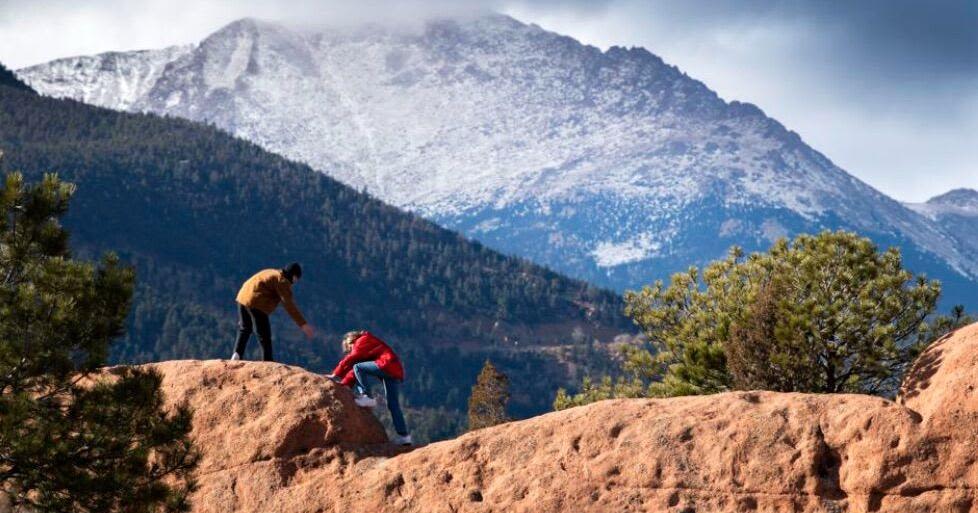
(251, 320)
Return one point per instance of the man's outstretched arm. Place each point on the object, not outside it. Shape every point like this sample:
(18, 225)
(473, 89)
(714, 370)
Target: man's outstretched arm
(285, 293)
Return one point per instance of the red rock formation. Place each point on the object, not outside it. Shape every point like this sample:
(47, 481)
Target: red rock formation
(263, 427)
(277, 438)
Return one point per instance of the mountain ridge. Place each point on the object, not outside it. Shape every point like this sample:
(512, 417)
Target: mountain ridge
(516, 135)
(962, 201)
(956, 211)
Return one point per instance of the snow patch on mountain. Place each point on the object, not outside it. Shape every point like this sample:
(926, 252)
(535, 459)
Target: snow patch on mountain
(610, 254)
(116, 80)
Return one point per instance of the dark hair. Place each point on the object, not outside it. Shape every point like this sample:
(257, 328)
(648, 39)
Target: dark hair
(293, 270)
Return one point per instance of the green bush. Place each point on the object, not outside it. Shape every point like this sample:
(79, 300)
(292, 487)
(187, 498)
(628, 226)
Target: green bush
(824, 313)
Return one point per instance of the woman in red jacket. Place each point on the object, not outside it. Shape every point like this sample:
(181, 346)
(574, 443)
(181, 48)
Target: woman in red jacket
(367, 355)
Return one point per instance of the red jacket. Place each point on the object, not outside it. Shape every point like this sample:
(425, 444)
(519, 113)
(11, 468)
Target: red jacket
(369, 348)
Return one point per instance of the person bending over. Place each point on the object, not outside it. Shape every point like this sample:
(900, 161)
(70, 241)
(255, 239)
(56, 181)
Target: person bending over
(367, 355)
(258, 298)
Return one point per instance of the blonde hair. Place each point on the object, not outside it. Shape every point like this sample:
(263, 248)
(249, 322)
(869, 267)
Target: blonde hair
(350, 338)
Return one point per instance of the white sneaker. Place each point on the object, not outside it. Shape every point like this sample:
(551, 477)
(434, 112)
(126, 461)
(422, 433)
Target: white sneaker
(235, 356)
(402, 440)
(365, 401)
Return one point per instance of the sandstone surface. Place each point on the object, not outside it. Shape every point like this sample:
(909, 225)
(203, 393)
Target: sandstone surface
(278, 438)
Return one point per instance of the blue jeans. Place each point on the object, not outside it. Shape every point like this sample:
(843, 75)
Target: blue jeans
(361, 371)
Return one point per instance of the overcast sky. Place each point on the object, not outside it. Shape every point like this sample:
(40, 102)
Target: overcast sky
(888, 89)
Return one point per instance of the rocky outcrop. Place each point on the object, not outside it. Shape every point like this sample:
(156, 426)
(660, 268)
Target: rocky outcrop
(263, 428)
(277, 438)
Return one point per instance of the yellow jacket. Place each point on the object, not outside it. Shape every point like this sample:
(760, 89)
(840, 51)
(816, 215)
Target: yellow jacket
(265, 290)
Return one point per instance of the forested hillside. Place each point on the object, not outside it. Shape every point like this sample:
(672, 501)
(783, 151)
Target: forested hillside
(196, 211)
(9, 79)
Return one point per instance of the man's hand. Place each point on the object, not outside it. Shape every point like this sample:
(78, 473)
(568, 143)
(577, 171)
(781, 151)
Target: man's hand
(307, 330)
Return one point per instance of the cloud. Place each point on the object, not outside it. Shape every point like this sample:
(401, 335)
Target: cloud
(35, 31)
(888, 89)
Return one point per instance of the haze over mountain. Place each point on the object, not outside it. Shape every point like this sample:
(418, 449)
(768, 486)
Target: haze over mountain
(613, 166)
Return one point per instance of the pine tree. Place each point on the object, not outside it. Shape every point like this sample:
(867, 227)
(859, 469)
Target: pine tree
(9, 79)
(607, 388)
(942, 325)
(487, 404)
(71, 438)
(825, 313)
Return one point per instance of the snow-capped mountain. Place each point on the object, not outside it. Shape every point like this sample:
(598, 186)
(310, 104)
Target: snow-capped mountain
(957, 212)
(116, 80)
(957, 202)
(611, 166)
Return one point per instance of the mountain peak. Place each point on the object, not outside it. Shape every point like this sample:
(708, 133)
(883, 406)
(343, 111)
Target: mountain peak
(502, 20)
(956, 210)
(246, 25)
(249, 30)
(960, 198)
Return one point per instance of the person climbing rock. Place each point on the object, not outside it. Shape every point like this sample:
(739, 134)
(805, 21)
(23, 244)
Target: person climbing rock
(258, 298)
(367, 355)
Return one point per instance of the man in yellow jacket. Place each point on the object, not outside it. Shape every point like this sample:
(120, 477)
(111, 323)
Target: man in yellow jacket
(258, 298)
